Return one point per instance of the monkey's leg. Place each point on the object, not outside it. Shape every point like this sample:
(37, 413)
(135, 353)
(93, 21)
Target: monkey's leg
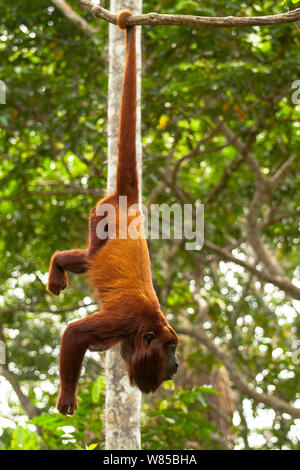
(95, 331)
(74, 261)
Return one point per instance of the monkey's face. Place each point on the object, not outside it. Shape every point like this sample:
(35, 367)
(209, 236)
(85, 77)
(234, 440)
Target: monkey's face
(171, 362)
(151, 361)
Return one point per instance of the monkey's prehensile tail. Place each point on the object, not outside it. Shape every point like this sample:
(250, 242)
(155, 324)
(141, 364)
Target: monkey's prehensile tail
(127, 177)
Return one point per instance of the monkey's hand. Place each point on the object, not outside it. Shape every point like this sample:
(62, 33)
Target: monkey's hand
(66, 403)
(58, 280)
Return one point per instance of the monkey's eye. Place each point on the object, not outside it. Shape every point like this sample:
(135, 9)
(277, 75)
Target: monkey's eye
(148, 337)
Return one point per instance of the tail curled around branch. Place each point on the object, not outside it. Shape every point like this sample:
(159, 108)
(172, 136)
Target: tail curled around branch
(122, 18)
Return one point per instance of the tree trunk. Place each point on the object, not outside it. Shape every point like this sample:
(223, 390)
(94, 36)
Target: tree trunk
(123, 402)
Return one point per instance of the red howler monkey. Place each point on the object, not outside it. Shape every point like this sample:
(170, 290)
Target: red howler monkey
(119, 271)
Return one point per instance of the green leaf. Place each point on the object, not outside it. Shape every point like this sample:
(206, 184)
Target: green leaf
(78, 447)
(97, 388)
(163, 405)
(209, 391)
(202, 399)
(92, 447)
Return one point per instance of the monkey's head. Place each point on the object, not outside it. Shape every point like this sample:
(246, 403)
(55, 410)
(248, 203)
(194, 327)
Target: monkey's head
(151, 357)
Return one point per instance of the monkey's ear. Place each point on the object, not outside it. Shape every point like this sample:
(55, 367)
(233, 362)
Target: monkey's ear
(148, 337)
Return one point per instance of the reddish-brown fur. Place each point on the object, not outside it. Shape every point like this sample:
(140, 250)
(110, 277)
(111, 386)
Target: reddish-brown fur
(120, 274)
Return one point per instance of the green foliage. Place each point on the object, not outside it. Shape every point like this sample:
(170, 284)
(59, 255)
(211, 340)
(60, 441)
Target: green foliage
(24, 439)
(53, 162)
(65, 432)
(179, 417)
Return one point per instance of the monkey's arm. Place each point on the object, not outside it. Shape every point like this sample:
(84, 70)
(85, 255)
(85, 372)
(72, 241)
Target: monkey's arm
(99, 331)
(74, 261)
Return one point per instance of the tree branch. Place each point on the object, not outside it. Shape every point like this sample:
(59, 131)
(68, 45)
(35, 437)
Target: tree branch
(282, 170)
(194, 152)
(33, 309)
(263, 192)
(243, 150)
(260, 249)
(236, 376)
(234, 165)
(156, 19)
(283, 284)
(31, 410)
(69, 189)
(74, 17)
